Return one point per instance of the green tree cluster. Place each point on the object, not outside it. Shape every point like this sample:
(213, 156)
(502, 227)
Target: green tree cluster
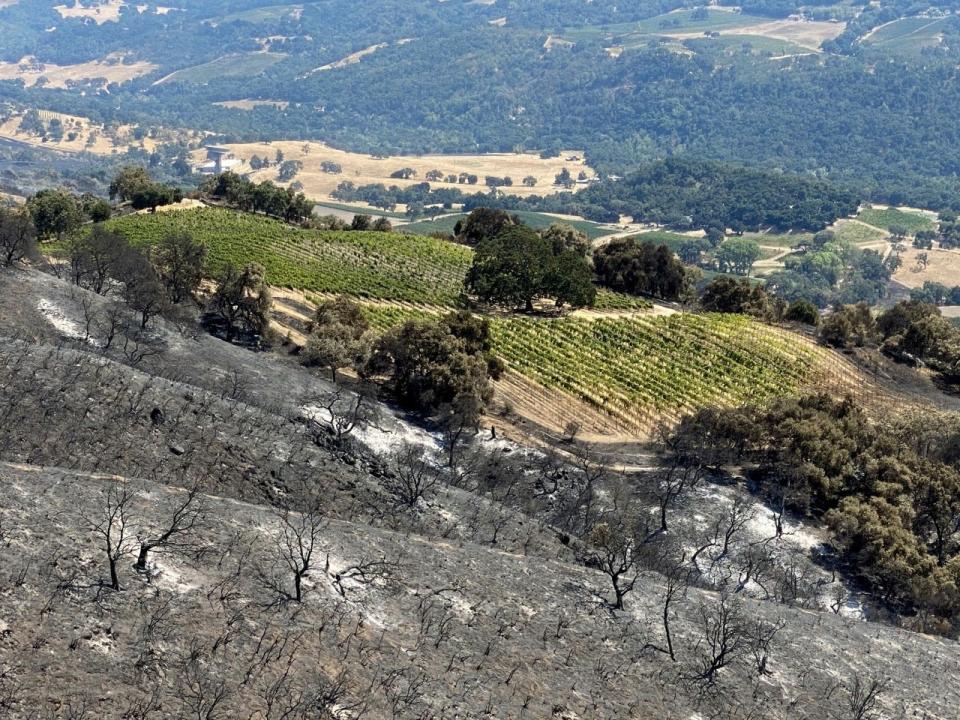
(890, 496)
(440, 368)
(519, 265)
(338, 337)
(634, 266)
(265, 197)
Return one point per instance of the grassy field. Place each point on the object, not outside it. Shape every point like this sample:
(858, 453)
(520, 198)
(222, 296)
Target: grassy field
(888, 217)
(262, 14)
(907, 35)
(760, 34)
(100, 72)
(680, 21)
(227, 66)
(777, 240)
(82, 135)
(365, 264)
(857, 233)
(322, 207)
(100, 12)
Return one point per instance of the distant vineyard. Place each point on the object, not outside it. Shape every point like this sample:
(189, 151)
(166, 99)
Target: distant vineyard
(364, 264)
(891, 217)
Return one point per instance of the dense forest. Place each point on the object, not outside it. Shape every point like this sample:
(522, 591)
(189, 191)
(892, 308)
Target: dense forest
(682, 193)
(881, 124)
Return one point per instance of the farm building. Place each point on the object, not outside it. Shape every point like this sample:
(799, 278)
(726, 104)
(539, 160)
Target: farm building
(219, 159)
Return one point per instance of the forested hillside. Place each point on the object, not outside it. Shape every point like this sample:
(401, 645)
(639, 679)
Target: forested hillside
(864, 97)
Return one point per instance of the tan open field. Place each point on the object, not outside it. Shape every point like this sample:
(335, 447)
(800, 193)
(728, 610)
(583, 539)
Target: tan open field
(104, 141)
(943, 267)
(363, 169)
(108, 70)
(808, 34)
(248, 104)
(106, 11)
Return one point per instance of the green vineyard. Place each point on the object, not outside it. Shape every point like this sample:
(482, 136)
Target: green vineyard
(642, 369)
(364, 264)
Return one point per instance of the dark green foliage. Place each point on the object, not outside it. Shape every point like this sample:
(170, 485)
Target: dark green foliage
(337, 336)
(288, 170)
(737, 255)
(701, 194)
(936, 294)
(483, 224)
(518, 265)
(893, 504)
(678, 192)
(181, 263)
(241, 305)
(849, 326)
(133, 184)
(510, 268)
(802, 311)
(55, 213)
(915, 332)
(641, 268)
(570, 280)
(95, 208)
(833, 271)
(18, 236)
(729, 295)
(442, 367)
(283, 203)
(897, 319)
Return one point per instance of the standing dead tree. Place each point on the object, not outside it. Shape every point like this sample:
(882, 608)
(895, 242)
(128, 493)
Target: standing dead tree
(413, 475)
(111, 522)
(177, 533)
(727, 636)
(614, 551)
(864, 700)
(340, 412)
(296, 542)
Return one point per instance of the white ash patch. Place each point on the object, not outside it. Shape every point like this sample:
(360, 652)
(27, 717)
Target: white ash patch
(168, 577)
(101, 643)
(67, 327)
(383, 441)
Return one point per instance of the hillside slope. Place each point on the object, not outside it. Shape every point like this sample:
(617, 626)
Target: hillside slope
(469, 604)
(450, 632)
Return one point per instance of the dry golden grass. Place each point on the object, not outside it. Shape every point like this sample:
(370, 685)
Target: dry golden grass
(363, 169)
(106, 11)
(108, 70)
(806, 34)
(248, 104)
(943, 267)
(102, 143)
